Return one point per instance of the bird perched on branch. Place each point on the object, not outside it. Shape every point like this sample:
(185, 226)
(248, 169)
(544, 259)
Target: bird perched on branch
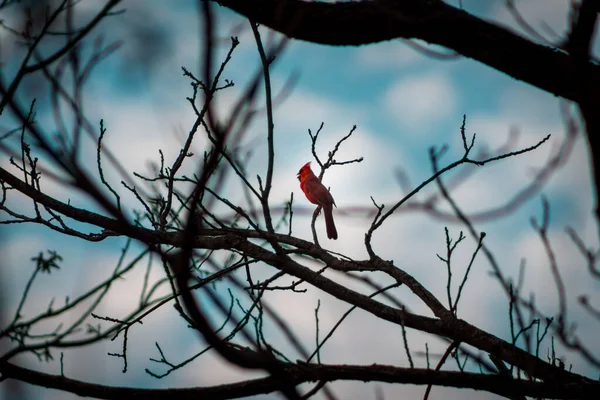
(318, 194)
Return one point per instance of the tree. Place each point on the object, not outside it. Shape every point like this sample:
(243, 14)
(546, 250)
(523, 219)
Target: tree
(231, 263)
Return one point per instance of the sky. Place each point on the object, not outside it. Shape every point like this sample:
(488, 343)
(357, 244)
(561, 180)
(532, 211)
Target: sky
(402, 102)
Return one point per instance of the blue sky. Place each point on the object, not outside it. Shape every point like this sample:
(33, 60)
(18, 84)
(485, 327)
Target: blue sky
(402, 102)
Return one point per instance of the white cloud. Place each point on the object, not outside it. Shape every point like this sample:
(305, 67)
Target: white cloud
(305, 110)
(419, 101)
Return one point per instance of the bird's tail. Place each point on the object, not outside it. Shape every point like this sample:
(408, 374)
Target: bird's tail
(329, 224)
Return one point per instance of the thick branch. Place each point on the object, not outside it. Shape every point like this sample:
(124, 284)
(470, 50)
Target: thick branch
(358, 23)
(578, 45)
(300, 373)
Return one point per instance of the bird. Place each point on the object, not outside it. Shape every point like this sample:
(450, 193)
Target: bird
(318, 194)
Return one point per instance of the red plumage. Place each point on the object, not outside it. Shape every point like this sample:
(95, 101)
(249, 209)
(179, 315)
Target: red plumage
(318, 194)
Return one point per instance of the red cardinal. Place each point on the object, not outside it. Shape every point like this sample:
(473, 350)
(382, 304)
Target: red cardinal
(318, 194)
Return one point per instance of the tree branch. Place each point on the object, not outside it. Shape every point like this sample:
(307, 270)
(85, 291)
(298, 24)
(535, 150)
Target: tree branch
(300, 373)
(366, 22)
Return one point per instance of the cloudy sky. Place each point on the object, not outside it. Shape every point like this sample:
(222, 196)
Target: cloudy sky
(402, 101)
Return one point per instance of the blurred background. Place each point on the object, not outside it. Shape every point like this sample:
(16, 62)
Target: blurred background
(403, 100)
